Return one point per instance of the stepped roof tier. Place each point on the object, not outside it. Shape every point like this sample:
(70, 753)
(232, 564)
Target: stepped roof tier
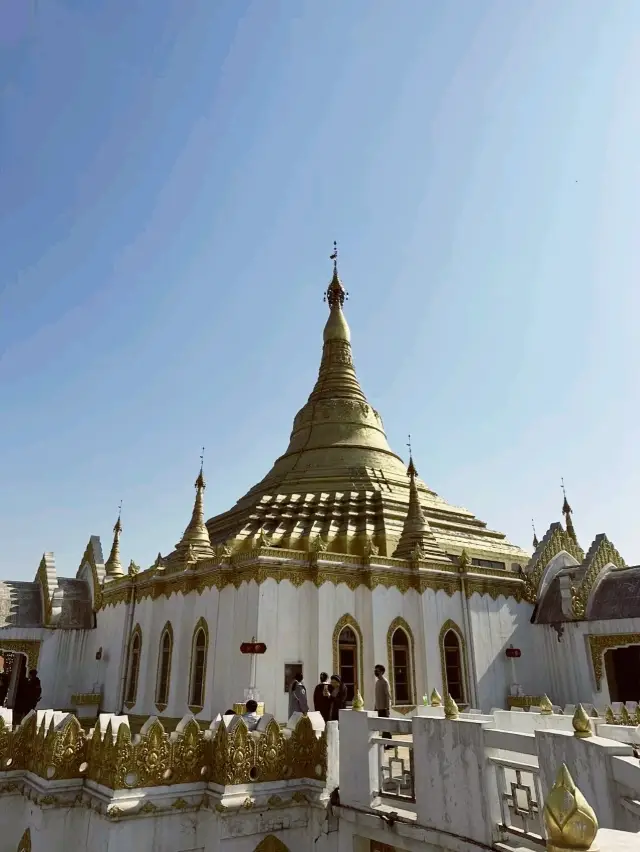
(340, 483)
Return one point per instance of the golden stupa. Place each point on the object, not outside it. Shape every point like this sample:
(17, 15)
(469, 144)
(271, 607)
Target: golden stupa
(339, 482)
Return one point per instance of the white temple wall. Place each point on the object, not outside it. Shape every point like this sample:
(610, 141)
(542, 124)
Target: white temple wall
(569, 661)
(497, 624)
(388, 605)
(110, 635)
(439, 607)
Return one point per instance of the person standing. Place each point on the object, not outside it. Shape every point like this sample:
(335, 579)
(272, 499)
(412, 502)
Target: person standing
(382, 697)
(34, 690)
(322, 697)
(298, 698)
(338, 698)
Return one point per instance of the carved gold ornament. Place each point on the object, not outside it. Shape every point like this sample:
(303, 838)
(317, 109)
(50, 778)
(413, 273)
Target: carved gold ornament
(271, 844)
(30, 648)
(604, 554)
(546, 707)
(358, 702)
(581, 723)
(451, 710)
(25, 842)
(598, 644)
(436, 698)
(556, 541)
(569, 819)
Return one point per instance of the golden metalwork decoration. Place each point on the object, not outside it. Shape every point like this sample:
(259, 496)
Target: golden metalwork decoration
(581, 723)
(86, 699)
(163, 679)
(569, 820)
(25, 842)
(29, 647)
(625, 716)
(248, 568)
(204, 627)
(556, 541)
(451, 710)
(348, 620)
(546, 707)
(601, 554)
(51, 754)
(358, 702)
(610, 716)
(446, 627)
(436, 698)
(241, 757)
(133, 667)
(400, 623)
(600, 643)
(271, 843)
(524, 701)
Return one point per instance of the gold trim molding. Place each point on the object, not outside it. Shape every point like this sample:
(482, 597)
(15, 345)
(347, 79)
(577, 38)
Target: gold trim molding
(271, 843)
(163, 700)
(446, 627)
(400, 623)
(200, 625)
(30, 648)
(86, 699)
(348, 620)
(129, 703)
(598, 644)
(605, 554)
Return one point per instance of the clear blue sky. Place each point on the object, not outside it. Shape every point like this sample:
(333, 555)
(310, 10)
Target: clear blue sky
(172, 176)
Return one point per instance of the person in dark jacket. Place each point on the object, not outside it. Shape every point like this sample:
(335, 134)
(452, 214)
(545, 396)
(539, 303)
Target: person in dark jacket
(322, 697)
(34, 690)
(338, 697)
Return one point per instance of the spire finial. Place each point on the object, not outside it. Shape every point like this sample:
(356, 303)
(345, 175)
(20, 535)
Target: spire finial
(113, 566)
(535, 535)
(567, 511)
(200, 483)
(335, 293)
(411, 470)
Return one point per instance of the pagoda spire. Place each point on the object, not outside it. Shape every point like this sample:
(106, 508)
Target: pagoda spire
(416, 538)
(196, 534)
(113, 566)
(535, 535)
(567, 511)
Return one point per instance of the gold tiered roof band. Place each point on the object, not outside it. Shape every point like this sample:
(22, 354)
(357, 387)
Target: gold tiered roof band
(338, 506)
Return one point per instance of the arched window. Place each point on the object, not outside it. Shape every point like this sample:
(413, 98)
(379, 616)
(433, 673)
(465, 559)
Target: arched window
(400, 655)
(135, 649)
(198, 664)
(347, 654)
(164, 667)
(453, 666)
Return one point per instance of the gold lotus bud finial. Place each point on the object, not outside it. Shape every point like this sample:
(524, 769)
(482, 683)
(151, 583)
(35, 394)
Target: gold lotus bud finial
(569, 819)
(581, 723)
(609, 716)
(625, 716)
(546, 707)
(335, 293)
(451, 710)
(358, 702)
(436, 699)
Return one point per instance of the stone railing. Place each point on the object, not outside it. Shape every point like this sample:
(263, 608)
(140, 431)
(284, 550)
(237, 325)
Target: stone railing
(55, 747)
(484, 777)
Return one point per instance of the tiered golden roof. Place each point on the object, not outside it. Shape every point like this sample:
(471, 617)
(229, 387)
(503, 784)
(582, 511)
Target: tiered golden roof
(195, 543)
(340, 480)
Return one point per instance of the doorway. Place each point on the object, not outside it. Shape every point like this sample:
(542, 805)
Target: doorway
(622, 666)
(348, 659)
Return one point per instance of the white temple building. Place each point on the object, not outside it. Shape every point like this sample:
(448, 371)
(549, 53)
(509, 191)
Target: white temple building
(340, 558)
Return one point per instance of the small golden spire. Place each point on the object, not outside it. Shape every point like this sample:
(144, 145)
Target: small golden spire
(113, 566)
(451, 709)
(196, 534)
(411, 470)
(417, 540)
(546, 707)
(358, 702)
(436, 698)
(335, 294)
(567, 511)
(535, 535)
(569, 819)
(581, 723)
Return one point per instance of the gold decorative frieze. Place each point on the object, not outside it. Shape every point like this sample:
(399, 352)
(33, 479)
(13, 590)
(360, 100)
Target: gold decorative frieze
(154, 758)
(598, 644)
(353, 571)
(241, 757)
(30, 648)
(556, 541)
(86, 699)
(603, 553)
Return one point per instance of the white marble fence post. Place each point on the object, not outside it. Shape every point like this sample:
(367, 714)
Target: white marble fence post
(454, 782)
(358, 759)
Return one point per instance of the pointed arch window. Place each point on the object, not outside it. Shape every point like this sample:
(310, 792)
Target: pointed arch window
(452, 654)
(135, 651)
(199, 649)
(163, 680)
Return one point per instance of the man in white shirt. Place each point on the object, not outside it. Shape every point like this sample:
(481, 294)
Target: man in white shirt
(250, 716)
(382, 697)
